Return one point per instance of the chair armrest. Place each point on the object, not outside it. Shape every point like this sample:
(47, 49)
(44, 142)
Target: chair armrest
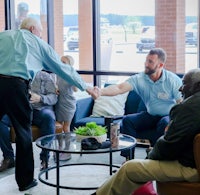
(196, 145)
(110, 119)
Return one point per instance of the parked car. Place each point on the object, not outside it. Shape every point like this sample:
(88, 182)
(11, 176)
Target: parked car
(147, 39)
(72, 38)
(191, 34)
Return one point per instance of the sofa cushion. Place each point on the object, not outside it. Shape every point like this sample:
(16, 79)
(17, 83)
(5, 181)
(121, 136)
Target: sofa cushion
(83, 108)
(109, 105)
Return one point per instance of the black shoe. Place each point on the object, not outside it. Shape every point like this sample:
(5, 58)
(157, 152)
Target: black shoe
(6, 164)
(128, 157)
(32, 184)
(43, 165)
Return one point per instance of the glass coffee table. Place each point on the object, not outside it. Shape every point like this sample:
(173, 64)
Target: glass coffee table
(66, 143)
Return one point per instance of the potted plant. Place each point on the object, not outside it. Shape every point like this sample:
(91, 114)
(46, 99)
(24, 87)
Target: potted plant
(91, 129)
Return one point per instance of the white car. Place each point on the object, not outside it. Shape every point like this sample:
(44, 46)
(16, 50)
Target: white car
(72, 38)
(191, 34)
(147, 39)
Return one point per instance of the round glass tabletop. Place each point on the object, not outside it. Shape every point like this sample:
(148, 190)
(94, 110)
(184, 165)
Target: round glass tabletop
(67, 143)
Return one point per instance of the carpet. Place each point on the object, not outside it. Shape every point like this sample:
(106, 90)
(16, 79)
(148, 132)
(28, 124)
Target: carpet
(78, 176)
(75, 176)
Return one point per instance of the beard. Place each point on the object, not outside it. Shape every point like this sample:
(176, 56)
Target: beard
(149, 71)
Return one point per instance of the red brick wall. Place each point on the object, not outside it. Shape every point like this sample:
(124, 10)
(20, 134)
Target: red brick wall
(85, 37)
(170, 32)
(58, 27)
(2, 16)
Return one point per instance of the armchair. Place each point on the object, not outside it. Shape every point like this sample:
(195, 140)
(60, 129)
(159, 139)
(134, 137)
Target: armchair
(183, 188)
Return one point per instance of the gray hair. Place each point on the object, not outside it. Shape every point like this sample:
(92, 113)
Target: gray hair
(162, 56)
(28, 22)
(194, 75)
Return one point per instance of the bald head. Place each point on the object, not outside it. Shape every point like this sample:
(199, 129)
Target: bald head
(67, 59)
(191, 83)
(33, 25)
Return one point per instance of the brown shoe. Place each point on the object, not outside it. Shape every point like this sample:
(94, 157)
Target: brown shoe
(6, 164)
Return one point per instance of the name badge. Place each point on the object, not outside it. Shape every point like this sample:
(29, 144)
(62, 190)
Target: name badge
(163, 96)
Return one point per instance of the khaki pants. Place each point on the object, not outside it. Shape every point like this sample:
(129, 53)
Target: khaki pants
(135, 173)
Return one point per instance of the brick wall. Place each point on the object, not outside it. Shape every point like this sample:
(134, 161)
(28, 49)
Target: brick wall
(2, 16)
(85, 37)
(170, 32)
(58, 26)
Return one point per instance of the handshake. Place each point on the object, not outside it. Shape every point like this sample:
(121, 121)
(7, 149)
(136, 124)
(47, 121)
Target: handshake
(95, 92)
(35, 98)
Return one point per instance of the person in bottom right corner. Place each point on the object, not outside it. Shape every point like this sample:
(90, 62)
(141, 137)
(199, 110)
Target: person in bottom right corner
(171, 158)
(65, 107)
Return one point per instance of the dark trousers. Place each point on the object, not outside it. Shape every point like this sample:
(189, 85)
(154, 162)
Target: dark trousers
(133, 123)
(14, 101)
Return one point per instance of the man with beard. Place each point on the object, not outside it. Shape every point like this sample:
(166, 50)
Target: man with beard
(157, 87)
(172, 157)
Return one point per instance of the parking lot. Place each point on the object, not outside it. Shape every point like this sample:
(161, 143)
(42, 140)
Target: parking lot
(126, 57)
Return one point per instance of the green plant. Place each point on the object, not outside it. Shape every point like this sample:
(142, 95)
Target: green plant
(91, 128)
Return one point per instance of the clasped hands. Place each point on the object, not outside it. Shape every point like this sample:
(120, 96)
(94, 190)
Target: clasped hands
(95, 92)
(35, 98)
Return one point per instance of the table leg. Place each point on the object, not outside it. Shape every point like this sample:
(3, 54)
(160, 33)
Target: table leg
(46, 166)
(111, 162)
(130, 154)
(57, 173)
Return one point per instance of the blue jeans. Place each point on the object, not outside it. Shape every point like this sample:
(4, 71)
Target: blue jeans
(133, 123)
(5, 143)
(45, 120)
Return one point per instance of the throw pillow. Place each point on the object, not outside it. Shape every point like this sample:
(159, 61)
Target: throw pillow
(146, 189)
(109, 105)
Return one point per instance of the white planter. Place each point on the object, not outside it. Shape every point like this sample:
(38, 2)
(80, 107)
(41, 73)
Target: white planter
(100, 138)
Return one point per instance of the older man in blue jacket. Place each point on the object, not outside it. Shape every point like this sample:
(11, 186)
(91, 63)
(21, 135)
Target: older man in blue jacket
(23, 53)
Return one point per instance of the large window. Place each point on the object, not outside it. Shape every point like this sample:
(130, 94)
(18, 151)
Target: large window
(131, 29)
(191, 34)
(130, 34)
(71, 30)
(21, 9)
(78, 39)
(109, 39)
(124, 32)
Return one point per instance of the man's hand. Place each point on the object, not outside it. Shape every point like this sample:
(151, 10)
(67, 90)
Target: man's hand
(95, 92)
(35, 98)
